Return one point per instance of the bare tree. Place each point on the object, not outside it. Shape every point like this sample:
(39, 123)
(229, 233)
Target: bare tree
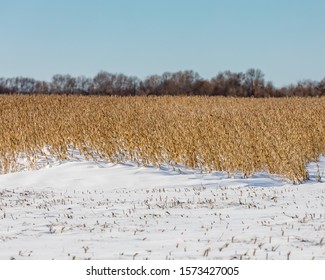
(227, 83)
(254, 81)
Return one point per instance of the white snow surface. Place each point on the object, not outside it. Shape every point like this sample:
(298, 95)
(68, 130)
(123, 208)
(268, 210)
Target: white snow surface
(96, 210)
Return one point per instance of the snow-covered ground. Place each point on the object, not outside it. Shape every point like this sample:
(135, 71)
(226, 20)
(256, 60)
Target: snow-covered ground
(89, 210)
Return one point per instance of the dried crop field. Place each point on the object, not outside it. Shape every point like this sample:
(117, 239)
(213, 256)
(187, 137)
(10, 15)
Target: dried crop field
(233, 135)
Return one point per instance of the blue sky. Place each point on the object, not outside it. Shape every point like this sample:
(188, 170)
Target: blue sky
(283, 38)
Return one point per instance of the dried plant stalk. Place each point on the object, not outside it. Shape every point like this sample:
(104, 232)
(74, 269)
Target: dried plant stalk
(210, 133)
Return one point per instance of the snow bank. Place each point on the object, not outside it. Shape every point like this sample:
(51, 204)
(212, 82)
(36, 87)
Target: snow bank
(104, 211)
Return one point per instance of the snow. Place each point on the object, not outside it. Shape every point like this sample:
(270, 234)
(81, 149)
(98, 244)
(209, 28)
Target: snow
(97, 210)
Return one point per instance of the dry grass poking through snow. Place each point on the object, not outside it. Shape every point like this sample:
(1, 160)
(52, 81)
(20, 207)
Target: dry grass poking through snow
(225, 134)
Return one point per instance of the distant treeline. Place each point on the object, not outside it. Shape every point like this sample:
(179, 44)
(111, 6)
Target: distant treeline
(248, 84)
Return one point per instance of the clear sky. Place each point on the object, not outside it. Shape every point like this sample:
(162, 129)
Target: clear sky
(283, 38)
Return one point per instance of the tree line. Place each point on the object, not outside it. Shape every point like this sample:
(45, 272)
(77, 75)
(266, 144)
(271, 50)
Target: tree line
(227, 83)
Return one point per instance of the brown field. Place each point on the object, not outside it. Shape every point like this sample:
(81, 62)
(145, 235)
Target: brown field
(233, 135)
